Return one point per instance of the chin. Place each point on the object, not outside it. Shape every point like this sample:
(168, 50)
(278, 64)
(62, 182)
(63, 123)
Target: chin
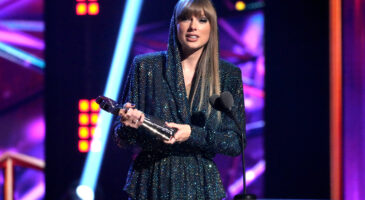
(193, 47)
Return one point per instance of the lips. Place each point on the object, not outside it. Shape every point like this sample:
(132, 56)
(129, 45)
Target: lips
(192, 37)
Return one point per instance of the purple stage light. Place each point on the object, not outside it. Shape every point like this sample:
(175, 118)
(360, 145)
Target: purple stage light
(1, 177)
(21, 39)
(251, 175)
(353, 99)
(29, 8)
(37, 192)
(23, 25)
(36, 129)
(253, 34)
(255, 125)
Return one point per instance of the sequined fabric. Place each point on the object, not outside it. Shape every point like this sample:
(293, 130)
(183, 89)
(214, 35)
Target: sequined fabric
(182, 170)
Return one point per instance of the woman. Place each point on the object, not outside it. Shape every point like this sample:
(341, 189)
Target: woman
(175, 86)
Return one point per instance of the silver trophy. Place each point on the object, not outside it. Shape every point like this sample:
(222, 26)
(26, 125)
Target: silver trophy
(153, 125)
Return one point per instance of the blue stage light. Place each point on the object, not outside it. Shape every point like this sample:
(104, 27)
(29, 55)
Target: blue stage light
(22, 55)
(23, 25)
(95, 156)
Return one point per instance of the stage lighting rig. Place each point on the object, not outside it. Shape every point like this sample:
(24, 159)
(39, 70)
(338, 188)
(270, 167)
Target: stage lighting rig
(88, 118)
(240, 5)
(87, 7)
(243, 5)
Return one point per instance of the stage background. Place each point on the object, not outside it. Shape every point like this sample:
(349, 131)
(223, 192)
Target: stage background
(295, 160)
(297, 99)
(22, 121)
(293, 154)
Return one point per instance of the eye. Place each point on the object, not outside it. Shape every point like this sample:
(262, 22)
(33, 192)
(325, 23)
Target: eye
(203, 20)
(182, 18)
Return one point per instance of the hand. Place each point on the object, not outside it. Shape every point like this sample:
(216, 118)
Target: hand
(182, 134)
(130, 116)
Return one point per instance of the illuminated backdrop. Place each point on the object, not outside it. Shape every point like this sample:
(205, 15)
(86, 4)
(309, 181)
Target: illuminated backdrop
(21, 89)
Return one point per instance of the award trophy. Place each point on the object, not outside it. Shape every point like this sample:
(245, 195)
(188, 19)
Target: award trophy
(154, 125)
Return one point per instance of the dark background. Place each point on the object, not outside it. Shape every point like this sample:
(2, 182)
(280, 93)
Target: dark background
(78, 55)
(297, 99)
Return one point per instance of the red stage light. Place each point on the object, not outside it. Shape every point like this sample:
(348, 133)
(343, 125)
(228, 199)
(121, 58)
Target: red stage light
(81, 8)
(94, 106)
(93, 8)
(84, 105)
(88, 118)
(84, 119)
(92, 131)
(94, 118)
(84, 132)
(84, 146)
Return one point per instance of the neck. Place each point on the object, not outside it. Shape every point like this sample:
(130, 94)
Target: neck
(190, 59)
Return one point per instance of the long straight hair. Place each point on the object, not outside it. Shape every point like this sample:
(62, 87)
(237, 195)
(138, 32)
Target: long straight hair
(207, 70)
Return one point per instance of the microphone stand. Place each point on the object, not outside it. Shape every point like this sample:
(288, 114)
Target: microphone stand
(244, 195)
(224, 104)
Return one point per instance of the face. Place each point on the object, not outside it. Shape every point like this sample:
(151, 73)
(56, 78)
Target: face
(193, 33)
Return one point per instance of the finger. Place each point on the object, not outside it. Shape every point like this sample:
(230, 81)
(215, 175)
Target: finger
(123, 116)
(134, 112)
(129, 112)
(177, 135)
(171, 141)
(168, 142)
(129, 105)
(134, 115)
(140, 120)
(125, 108)
(172, 125)
(122, 112)
(136, 122)
(129, 123)
(123, 119)
(126, 123)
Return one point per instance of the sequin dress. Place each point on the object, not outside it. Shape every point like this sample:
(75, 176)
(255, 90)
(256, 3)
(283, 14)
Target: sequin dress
(182, 170)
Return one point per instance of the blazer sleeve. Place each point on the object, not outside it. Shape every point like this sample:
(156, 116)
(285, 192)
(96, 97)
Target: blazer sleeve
(124, 135)
(226, 139)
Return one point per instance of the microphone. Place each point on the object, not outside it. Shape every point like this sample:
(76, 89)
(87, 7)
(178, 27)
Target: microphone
(224, 103)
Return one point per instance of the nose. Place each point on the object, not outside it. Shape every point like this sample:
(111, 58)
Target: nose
(193, 24)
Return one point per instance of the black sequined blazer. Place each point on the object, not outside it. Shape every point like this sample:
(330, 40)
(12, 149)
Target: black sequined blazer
(182, 170)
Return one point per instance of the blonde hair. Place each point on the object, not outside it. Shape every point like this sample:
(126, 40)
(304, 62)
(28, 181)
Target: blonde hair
(208, 65)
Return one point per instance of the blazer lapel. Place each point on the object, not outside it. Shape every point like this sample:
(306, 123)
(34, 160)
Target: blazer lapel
(175, 79)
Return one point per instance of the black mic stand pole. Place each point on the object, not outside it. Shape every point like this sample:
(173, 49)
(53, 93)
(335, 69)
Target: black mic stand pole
(224, 104)
(242, 196)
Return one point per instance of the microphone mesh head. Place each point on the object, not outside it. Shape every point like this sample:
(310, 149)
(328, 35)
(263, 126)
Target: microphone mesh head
(212, 100)
(227, 100)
